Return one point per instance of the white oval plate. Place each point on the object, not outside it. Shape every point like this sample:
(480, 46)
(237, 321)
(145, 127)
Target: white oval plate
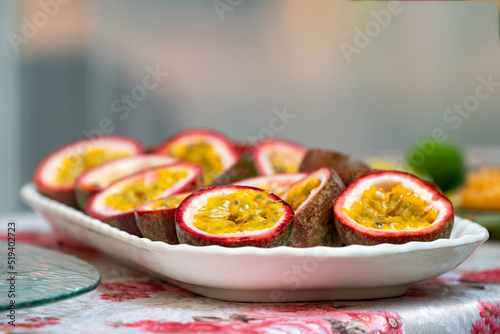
(278, 274)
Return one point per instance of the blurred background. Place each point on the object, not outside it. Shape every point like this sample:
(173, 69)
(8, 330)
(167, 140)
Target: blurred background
(335, 75)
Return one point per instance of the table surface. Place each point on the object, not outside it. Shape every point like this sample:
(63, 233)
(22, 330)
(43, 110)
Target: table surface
(465, 300)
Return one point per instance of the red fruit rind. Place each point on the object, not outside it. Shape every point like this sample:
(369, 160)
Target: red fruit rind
(282, 182)
(313, 224)
(353, 233)
(278, 235)
(264, 149)
(46, 173)
(317, 158)
(243, 147)
(98, 178)
(349, 175)
(157, 224)
(125, 220)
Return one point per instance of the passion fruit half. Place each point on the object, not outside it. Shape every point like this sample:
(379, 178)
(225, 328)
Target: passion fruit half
(274, 183)
(98, 178)
(273, 156)
(55, 176)
(234, 216)
(156, 220)
(115, 205)
(392, 207)
(317, 158)
(207, 148)
(312, 200)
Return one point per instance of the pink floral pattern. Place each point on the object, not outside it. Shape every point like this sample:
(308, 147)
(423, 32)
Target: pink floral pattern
(34, 323)
(480, 327)
(368, 322)
(485, 276)
(275, 326)
(372, 321)
(394, 324)
(137, 289)
(489, 309)
(317, 320)
(122, 296)
(490, 318)
(495, 328)
(174, 310)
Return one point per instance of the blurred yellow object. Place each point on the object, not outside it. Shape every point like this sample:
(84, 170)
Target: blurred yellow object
(482, 189)
(384, 163)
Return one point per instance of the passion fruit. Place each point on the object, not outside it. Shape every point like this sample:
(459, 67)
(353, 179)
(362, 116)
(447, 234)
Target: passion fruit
(55, 176)
(392, 207)
(244, 168)
(274, 183)
(234, 216)
(312, 200)
(156, 220)
(243, 147)
(273, 156)
(98, 178)
(207, 148)
(317, 158)
(115, 205)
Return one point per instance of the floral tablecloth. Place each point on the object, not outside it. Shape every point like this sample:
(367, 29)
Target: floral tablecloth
(465, 300)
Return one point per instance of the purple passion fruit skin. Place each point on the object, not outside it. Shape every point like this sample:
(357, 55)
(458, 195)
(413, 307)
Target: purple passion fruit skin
(353, 232)
(244, 168)
(274, 156)
(99, 178)
(317, 158)
(349, 175)
(55, 176)
(123, 192)
(274, 183)
(156, 220)
(313, 224)
(190, 208)
(212, 150)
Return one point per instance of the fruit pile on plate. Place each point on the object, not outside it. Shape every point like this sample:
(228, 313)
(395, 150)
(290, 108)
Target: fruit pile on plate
(201, 188)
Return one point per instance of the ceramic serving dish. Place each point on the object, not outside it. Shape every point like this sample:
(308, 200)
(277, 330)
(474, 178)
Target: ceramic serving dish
(275, 274)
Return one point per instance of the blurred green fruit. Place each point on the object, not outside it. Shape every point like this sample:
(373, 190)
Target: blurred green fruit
(443, 163)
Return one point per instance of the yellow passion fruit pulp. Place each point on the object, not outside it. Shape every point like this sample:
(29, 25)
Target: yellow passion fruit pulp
(74, 165)
(396, 209)
(202, 154)
(143, 191)
(243, 210)
(300, 192)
